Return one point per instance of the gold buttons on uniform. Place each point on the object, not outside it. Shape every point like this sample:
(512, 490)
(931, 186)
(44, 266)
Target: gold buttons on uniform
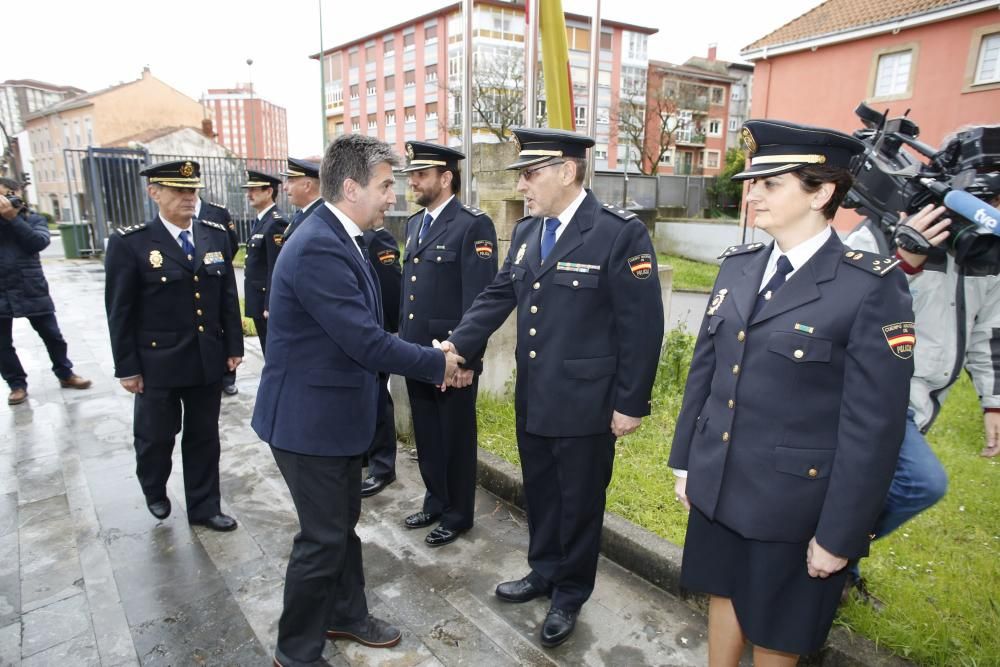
(536, 286)
(532, 354)
(196, 278)
(413, 279)
(798, 354)
(413, 298)
(741, 336)
(736, 369)
(813, 472)
(197, 295)
(201, 328)
(153, 344)
(416, 260)
(439, 258)
(163, 279)
(411, 316)
(732, 404)
(531, 332)
(576, 283)
(198, 312)
(534, 309)
(725, 437)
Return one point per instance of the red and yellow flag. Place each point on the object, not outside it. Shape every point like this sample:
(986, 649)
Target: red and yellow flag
(555, 65)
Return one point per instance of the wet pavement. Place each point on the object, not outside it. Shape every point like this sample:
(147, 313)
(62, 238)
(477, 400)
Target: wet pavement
(89, 577)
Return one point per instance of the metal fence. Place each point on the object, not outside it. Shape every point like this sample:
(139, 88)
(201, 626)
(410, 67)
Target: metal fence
(637, 191)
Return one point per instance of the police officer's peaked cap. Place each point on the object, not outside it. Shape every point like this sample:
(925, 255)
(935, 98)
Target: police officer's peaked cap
(176, 174)
(297, 167)
(538, 145)
(260, 179)
(422, 155)
(778, 147)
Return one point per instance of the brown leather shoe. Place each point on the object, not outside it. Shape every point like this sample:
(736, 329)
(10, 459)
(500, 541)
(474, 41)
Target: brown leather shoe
(75, 382)
(17, 396)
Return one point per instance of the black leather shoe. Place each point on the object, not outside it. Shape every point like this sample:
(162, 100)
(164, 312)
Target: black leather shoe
(420, 520)
(230, 390)
(219, 522)
(371, 631)
(375, 483)
(558, 626)
(160, 509)
(441, 536)
(520, 590)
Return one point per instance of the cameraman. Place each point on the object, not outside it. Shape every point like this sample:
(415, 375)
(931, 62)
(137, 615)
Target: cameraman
(25, 293)
(957, 313)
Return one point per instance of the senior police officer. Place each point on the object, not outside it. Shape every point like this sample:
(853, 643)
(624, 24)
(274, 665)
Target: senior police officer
(207, 210)
(173, 314)
(583, 278)
(302, 187)
(450, 258)
(263, 245)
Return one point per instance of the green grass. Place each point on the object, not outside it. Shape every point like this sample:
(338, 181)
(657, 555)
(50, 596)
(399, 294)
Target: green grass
(938, 575)
(240, 258)
(249, 328)
(689, 275)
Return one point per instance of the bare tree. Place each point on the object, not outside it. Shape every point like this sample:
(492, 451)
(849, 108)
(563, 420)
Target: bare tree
(650, 122)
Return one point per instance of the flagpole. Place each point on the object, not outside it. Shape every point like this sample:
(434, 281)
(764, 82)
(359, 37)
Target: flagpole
(467, 100)
(531, 63)
(595, 60)
(322, 77)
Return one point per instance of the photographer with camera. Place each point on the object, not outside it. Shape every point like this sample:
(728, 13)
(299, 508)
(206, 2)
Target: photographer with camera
(951, 255)
(25, 293)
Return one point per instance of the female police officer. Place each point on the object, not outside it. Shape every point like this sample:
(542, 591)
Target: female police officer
(794, 408)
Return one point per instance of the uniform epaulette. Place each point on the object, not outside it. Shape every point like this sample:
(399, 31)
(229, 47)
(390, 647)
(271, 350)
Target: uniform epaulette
(277, 216)
(741, 249)
(473, 210)
(216, 204)
(871, 262)
(619, 212)
(527, 217)
(213, 224)
(125, 231)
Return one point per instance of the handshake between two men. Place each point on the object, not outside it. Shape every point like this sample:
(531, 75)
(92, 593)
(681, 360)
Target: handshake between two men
(454, 375)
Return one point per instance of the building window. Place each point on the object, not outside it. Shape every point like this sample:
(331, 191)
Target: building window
(634, 81)
(606, 43)
(988, 64)
(370, 53)
(430, 33)
(636, 46)
(355, 125)
(578, 39)
(408, 41)
(336, 97)
(603, 115)
(711, 159)
(667, 158)
(372, 121)
(371, 87)
(580, 113)
(431, 111)
(601, 152)
(734, 125)
(409, 78)
(390, 83)
(892, 77)
(431, 74)
(540, 112)
(390, 118)
(352, 58)
(715, 127)
(389, 46)
(718, 95)
(354, 91)
(410, 114)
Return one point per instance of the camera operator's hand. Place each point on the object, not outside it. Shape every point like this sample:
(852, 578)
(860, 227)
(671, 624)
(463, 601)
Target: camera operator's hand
(7, 211)
(926, 222)
(991, 421)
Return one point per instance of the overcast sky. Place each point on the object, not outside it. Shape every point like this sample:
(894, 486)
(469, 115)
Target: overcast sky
(199, 45)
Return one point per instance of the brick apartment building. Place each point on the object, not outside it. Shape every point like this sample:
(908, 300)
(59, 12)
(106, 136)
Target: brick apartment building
(401, 83)
(247, 125)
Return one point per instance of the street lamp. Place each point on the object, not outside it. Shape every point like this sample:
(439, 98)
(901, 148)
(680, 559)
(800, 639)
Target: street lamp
(253, 122)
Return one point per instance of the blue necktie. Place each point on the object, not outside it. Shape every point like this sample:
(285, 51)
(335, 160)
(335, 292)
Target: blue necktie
(549, 236)
(424, 226)
(783, 268)
(186, 245)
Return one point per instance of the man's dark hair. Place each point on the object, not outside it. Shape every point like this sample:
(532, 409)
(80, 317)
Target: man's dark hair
(812, 176)
(11, 184)
(352, 156)
(456, 178)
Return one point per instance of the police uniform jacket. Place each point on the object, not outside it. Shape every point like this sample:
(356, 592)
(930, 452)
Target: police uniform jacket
(265, 241)
(445, 273)
(318, 391)
(792, 419)
(215, 213)
(170, 321)
(589, 321)
(300, 217)
(383, 253)
(24, 292)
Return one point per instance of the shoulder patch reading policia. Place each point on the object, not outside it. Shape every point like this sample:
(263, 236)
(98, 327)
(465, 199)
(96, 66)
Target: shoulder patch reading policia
(641, 265)
(484, 249)
(901, 338)
(387, 257)
(213, 224)
(741, 249)
(278, 239)
(880, 265)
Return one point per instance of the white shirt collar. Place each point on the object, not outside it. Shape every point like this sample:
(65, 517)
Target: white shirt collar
(306, 208)
(260, 216)
(436, 212)
(568, 213)
(350, 226)
(798, 255)
(175, 231)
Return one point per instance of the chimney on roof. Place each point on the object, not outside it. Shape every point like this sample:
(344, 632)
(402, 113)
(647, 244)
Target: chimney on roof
(206, 128)
(146, 73)
(711, 52)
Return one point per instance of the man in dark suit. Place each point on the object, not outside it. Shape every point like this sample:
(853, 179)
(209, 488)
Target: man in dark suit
(583, 278)
(263, 245)
(174, 318)
(450, 259)
(206, 210)
(318, 397)
(303, 190)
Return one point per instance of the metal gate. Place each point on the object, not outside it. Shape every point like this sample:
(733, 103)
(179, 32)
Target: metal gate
(107, 192)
